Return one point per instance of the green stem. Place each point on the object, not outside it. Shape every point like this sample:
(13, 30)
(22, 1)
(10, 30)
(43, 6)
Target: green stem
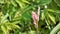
(37, 29)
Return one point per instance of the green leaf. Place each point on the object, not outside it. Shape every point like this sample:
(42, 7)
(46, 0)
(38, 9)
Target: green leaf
(25, 1)
(58, 32)
(9, 27)
(32, 32)
(26, 15)
(16, 26)
(16, 32)
(57, 2)
(44, 2)
(52, 18)
(14, 3)
(4, 30)
(53, 11)
(20, 3)
(42, 15)
(46, 20)
(4, 18)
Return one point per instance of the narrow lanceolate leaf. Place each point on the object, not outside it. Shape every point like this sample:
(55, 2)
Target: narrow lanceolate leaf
(4, 30)
(20, 3)
(4, 18)
(42, 16)
(17, 26)
(53, 11)
(13, 3)
(52, 18)
(47, 24)
(25, 1)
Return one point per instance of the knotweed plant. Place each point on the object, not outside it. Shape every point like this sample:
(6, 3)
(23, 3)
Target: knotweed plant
(35, 18)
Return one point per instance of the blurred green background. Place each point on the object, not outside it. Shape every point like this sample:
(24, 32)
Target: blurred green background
(15, 16)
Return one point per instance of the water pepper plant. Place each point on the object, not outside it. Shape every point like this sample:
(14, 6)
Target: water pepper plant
(16, 18)
(35, 18)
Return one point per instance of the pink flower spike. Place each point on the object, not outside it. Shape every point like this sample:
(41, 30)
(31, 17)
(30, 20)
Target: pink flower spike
(38, 10)
(34, 16)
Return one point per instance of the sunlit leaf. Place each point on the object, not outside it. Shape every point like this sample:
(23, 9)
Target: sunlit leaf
(4, 18)
(4, 30)
(52, 18)
(53, 11)
(1, 1)
(25, 1)
(42, 15)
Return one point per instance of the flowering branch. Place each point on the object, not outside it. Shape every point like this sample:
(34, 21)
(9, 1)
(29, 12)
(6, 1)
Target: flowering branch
(35, 18)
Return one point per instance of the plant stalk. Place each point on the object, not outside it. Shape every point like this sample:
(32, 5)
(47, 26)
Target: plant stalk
(37, 32)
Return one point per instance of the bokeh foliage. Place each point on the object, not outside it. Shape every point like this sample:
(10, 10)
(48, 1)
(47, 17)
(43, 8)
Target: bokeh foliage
(15, 16)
